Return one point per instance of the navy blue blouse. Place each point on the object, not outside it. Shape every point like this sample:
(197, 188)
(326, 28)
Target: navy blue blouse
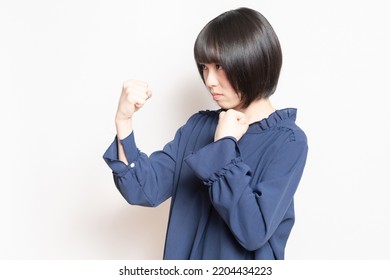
(230, 200)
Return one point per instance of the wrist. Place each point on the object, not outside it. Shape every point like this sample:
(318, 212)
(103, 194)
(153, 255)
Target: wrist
(124, 127)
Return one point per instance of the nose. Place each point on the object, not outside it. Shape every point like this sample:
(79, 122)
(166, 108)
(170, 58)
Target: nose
(210, 78)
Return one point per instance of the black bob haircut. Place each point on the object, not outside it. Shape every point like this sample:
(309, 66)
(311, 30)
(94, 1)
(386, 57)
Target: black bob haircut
(244, 43)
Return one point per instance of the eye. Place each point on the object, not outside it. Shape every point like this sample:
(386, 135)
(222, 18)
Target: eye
(202, 67)
(218, 66)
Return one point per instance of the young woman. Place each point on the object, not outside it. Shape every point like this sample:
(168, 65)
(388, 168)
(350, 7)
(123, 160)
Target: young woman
(231, 174)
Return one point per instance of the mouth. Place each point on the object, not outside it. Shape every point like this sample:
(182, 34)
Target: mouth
(217, 96)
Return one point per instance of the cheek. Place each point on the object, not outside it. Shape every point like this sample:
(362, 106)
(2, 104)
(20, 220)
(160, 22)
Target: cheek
(204, 76)
(227, 84)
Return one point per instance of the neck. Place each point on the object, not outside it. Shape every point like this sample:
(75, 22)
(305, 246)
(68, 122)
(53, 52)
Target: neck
(258, 110)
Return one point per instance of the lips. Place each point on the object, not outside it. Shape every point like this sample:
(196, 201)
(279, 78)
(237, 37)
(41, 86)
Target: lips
(216, 96)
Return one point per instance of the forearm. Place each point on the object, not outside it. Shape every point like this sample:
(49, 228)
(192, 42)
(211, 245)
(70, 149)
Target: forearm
(123, 128)
(146, 180)
(133, 97)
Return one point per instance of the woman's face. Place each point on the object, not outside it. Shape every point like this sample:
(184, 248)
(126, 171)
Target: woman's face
(219, 86)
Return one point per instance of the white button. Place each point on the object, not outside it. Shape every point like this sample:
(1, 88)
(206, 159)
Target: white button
(132, 165)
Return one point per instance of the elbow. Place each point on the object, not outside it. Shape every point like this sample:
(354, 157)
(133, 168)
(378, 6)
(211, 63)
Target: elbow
(254, 243)
(134, 194)
(259, 238)
(251, 234)
(137, 198)
(252, 238)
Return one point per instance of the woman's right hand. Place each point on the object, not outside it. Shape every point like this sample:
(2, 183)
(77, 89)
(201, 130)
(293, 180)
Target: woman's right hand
(133, 97)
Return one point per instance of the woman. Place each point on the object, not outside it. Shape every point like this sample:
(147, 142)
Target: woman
(231, 173)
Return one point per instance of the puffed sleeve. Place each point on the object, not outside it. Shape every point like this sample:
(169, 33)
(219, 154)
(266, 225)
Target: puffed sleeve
(146, 181)
(253, 210)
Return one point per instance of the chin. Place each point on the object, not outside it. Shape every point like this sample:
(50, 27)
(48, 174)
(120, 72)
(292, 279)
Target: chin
(227, 107)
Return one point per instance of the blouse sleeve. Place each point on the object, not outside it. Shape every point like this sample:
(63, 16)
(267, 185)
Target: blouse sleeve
(252, 210)
(145, 181)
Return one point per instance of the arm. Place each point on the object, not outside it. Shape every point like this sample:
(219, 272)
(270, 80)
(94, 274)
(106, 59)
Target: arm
(133, 97)
(123, 129)
(252, 210)
(146, 181)
(140, 179)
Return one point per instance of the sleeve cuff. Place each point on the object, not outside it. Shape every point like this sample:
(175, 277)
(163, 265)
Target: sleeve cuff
(111, 154)
(213, 157)
(131, 150)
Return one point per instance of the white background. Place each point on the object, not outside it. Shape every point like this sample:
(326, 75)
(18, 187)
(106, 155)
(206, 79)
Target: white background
(62, 64)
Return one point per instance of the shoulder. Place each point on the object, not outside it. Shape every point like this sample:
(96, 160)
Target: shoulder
(198, 129)
(208, 113)
(295, 133)
(288, 125)
(292, 143)
(203, 116)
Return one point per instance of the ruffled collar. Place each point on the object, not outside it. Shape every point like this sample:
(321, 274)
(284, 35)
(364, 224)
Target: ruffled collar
(274, 119)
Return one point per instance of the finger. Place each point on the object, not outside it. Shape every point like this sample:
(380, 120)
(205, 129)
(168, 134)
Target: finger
(239, 115)
(138, 92)
(243, 120)
(136, 100)
(148, 93)
(133, 85)
(143, 90)
(139, 104)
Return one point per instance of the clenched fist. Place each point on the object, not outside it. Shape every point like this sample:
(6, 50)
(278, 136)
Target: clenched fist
(231, 123)
(133, 97)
